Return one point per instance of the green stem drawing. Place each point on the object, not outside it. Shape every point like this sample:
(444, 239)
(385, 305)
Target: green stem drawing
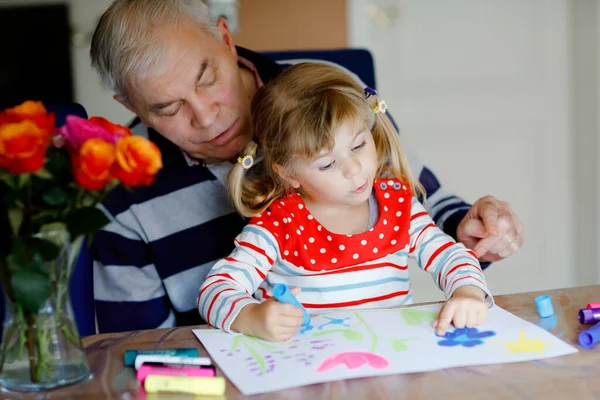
(237, 340)
(257, 357)
(374, 337)
(261, 343)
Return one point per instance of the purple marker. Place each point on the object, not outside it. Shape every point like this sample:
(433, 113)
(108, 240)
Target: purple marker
(589, 315)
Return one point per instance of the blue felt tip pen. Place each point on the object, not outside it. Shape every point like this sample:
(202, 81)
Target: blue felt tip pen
(130, 355)
(283, 295)
(589, 337)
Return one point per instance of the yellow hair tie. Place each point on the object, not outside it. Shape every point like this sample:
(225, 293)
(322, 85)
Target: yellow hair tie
(381, 107)
(247, 161)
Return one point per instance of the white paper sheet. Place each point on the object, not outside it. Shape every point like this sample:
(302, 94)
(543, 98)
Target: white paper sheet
(352, 344)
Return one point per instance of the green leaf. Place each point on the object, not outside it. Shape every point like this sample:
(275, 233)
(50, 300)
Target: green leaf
(86, 220)
(51, 214)
(53, 226)
(23, 179)
(15, 216)
(11, 180)
(31, 288)
(43, 174)
(47, 250)
(55, 197)
(353, 335)
(416, 317)
(399, 345)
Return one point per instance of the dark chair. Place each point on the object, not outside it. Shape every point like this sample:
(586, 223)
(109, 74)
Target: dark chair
(358, 61)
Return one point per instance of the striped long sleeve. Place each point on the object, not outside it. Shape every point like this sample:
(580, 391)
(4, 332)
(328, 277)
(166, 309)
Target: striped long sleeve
(232, 281)
(450, 264)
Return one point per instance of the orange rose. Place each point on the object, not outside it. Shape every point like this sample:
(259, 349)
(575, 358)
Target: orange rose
(114, 129)
(92, 163)
(30, 110)
(138, 161)
(23, 147)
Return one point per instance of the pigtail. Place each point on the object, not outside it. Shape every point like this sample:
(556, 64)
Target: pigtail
(253, 186)
(393, 161)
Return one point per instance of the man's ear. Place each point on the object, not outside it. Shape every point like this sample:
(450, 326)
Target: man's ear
(223, 28)
(124, 102)
(286, 176)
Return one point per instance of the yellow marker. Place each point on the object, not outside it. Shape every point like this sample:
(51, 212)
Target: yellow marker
(185, 384)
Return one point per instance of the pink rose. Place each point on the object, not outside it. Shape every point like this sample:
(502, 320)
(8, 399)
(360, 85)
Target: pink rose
(77, 130)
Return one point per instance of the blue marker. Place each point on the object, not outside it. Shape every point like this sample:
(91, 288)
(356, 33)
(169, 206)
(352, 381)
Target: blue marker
(283, 295)
(589, 337)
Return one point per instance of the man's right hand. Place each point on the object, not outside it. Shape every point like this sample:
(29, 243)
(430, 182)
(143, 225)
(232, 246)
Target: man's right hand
(269, 320)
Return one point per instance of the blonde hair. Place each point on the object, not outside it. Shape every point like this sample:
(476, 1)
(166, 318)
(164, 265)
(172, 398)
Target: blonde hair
(127, 42)
(296, 115)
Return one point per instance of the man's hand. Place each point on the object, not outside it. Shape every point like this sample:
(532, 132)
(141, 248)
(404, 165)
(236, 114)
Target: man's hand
(491, 229)
(269, 320)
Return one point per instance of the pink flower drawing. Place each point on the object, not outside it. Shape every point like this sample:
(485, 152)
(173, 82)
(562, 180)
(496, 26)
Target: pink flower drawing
(353, 360)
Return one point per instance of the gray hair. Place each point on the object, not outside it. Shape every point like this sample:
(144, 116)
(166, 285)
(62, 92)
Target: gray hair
(126, 45)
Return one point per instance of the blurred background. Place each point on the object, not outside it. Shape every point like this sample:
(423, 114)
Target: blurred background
(497, 97)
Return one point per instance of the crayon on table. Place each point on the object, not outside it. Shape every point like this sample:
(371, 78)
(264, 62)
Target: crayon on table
(130, 355)
(139, 360)
(185, 384)
(544, 306)
(589, 315)
(589, 337)
(594, 305)
(176, 370)
(283, 295)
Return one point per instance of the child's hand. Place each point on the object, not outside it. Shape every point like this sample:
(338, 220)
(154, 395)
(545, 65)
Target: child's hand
(269, 320)
(466, 307)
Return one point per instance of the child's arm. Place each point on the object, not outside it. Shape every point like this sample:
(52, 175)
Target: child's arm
(225, 299)
(450, 263)
(232, 281)
(454, 268)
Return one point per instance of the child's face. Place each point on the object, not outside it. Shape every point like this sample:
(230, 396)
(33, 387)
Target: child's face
(343, 176)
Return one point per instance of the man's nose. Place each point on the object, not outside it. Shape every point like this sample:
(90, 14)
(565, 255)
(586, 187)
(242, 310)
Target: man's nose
(204, 112)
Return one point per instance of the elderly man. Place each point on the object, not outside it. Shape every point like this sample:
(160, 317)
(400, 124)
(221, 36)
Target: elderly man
(191, 87)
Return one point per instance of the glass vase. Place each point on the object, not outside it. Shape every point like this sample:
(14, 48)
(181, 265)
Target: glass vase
(43, 350)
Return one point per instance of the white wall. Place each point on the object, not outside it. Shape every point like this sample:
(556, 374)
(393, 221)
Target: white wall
(498, 96)
(586, 137)
(88, 90)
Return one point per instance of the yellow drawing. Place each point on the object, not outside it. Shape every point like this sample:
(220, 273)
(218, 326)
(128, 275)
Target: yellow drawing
(524, 345)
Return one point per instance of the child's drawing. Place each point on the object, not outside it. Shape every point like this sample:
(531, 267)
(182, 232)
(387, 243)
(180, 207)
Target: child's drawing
(351, 344)
(467, 337)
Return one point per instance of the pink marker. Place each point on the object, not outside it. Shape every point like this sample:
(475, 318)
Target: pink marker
(594, 305)
(175, 370)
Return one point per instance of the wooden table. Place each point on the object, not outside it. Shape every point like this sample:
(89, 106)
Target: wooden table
(575, 376)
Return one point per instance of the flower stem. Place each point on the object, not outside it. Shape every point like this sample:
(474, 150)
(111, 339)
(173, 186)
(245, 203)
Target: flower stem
(31, 348)
(7, 336)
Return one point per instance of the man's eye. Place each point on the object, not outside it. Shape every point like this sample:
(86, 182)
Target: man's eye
(360, 146)
(326, 167)
(209, 79)
(173, 113)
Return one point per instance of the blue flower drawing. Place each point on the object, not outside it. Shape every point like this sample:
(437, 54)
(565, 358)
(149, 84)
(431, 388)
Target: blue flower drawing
(467, 337)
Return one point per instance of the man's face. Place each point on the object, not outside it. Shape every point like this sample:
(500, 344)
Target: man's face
(202, 100)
